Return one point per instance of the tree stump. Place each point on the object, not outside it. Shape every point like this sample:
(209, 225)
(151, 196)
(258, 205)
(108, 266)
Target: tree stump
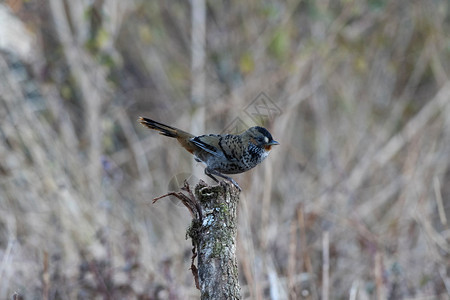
(213, 233)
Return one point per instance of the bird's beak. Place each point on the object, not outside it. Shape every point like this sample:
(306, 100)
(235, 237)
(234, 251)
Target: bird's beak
(273, 143)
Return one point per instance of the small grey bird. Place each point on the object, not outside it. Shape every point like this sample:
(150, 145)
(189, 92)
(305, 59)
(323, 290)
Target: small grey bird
(222, 153)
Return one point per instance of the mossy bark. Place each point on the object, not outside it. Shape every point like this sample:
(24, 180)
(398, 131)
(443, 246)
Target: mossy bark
(215, 239)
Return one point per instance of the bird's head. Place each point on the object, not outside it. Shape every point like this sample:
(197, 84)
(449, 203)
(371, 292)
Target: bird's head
(261, 138)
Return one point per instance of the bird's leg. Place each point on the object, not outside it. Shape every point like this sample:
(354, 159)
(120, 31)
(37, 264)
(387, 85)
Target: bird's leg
(210, 173)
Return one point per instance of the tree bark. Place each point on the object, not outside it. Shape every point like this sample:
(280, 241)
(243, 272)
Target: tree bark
(213, 233)
(215, 240)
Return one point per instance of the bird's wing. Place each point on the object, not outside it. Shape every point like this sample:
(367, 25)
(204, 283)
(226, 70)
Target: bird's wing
(212, 144)
(208, 143)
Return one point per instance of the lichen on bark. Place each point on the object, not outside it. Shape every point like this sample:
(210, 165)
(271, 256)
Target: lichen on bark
(215, 241)
(213, 233)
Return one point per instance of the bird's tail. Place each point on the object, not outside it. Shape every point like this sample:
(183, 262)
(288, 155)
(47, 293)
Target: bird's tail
(162, 128)
(182, 136)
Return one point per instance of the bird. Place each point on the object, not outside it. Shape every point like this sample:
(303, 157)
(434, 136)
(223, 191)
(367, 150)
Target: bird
(221, 153)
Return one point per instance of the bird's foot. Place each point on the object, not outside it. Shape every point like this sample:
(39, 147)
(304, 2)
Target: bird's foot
(234, 183)
(211, 172)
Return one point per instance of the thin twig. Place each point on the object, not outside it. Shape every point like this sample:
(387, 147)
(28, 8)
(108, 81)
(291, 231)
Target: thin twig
(325, 265)
(440, 205)
(292, 250)
(378, 272)
(193, 267)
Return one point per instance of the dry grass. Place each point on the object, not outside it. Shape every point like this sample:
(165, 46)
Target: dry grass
(353, 204)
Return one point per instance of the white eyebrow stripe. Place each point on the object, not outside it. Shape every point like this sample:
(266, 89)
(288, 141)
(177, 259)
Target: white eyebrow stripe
(266, 139)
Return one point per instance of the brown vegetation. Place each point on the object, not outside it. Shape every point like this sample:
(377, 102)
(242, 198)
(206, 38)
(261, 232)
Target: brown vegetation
(354, 203)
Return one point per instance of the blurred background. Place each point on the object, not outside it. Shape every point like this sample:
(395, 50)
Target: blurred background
(354, 203)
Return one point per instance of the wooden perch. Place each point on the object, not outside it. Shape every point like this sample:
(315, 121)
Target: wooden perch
(213, 232)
